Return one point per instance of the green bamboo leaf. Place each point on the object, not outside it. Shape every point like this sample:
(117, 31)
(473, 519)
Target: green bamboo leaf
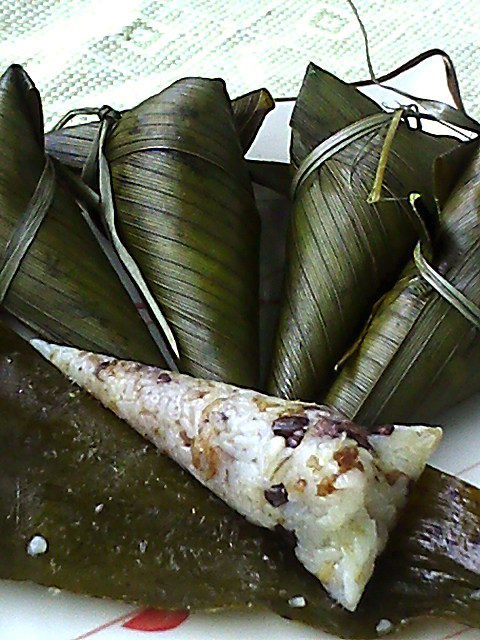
(276, 176)
(122, 521)
(249, 112)
(449, 168)
(185, 211)
(448, 68)
(71, 145)
(275, 215)
(343, 253)
(54, 276)
(419, 354)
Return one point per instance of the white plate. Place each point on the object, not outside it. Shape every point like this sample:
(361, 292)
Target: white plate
(31, 612)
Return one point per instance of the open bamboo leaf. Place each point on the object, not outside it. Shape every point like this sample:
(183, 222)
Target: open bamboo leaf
(122, 521)
(343, 253)
(54, 276)
(419, 355)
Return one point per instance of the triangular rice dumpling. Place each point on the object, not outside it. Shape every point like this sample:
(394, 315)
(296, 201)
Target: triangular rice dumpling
(342, 252)
(336, 486)
(420, 352)
(185, 211)
(55, 277)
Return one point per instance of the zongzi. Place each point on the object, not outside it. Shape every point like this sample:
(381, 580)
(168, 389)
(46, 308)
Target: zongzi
(184, 209)
(343, 253)
(54, 276)
(420, 351)
(71, 145)
(335, 485)
(182, 205)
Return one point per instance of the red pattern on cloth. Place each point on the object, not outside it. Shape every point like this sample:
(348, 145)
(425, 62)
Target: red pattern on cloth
(156, 620)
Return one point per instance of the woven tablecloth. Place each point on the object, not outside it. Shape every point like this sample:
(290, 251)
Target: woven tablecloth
(91, 52)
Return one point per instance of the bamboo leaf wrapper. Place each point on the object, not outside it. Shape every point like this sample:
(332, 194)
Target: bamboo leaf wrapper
(56, 278)
(419, 354)
(343, 253)
(184, 209)
(71, 145)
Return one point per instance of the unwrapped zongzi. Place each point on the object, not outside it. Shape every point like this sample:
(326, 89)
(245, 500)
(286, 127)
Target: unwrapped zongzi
(336, 486)
(124, 522)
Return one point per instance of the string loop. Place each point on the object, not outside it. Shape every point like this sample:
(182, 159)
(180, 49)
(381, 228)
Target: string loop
(469, 310)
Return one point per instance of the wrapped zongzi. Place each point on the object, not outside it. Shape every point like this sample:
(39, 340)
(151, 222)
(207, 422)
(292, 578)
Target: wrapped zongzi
(420, 351)
(182, 205)
(71, 145)
(54, 276)
(342, 251)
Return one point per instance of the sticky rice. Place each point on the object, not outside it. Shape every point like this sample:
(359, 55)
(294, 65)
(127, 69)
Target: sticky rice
(336, 486)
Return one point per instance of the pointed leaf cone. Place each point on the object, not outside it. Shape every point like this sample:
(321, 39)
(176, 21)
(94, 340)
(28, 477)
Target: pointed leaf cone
(64, 287)
(71, 145)
(123, 522)
(420, 355)
(342, 252)
(249, 112)
(186, 213)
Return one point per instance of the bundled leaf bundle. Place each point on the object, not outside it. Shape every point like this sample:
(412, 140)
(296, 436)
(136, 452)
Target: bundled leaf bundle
(169, 179)
(343, 252)
(54, 276)
(183, 207)
(141, 530)
(420, 352)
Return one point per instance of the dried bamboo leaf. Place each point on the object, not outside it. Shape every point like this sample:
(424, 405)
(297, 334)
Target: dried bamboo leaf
(456, 116)
(97, 495)
(343, 253)
(419, 354)
(449, 71)
(55, 277)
